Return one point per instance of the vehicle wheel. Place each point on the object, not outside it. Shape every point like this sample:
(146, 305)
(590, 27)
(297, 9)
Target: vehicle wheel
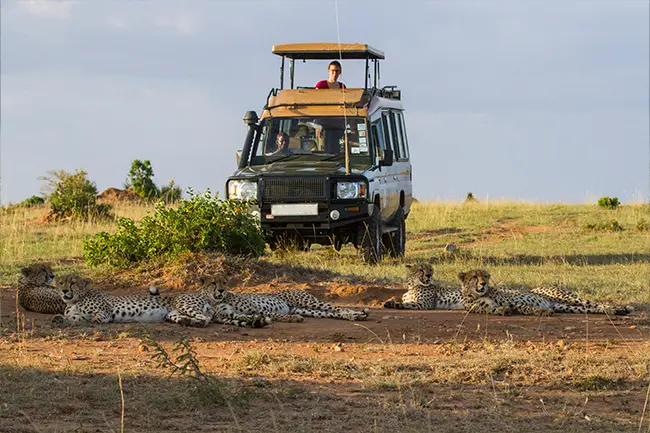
(369, 238)
(396, 241)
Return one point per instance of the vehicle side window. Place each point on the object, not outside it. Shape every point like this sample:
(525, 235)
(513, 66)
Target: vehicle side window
(396, 135)
(405, 143)
(400, 133)
(389, 134)
(378, 142)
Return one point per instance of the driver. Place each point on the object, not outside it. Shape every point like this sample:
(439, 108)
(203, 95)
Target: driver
(281, 143)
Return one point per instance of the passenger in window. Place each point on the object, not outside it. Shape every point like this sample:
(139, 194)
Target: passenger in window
(334, 70)
(281, 144)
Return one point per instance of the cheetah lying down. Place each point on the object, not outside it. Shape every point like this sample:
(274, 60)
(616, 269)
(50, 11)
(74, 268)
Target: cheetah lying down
(36, 291)
(542, 301)
(84, 304)
(282, 306)
(477, 296)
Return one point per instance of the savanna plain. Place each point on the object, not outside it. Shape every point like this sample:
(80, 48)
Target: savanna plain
(399, 371)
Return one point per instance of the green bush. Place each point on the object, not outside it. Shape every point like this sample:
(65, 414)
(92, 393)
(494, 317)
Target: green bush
(642, 225)
(608, 202)
(72, 195)
(610, 226)
(470, 198)
(199, 224)
(33, 201)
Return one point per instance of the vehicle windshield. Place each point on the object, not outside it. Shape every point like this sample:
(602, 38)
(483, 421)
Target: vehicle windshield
(320, 137)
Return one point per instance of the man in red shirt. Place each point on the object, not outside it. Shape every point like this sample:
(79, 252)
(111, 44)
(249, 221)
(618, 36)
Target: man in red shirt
(334, 70)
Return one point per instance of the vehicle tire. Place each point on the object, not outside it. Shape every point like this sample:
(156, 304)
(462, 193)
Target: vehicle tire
(369, 238)
(396, 241)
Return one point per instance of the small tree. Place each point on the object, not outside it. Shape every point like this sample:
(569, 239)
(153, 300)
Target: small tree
(72, 195)
(140, 179)
(171, 193)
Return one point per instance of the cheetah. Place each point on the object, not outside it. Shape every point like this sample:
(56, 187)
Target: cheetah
(542, 301)
(284, 305)
(425, 294)
(87, 305)
(36, 291)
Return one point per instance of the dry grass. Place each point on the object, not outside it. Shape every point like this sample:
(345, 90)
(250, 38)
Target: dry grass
(64, 380)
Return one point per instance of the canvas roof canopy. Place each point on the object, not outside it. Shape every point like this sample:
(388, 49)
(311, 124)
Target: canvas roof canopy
(327, 51)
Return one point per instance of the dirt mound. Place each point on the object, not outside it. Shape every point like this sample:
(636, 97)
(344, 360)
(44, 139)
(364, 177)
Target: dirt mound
(116, 195)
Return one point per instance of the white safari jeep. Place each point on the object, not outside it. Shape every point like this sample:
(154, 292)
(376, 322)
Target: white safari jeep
(342, 172)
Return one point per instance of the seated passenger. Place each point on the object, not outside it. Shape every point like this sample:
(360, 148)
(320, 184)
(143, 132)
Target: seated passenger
(334, 70)
(282, 145)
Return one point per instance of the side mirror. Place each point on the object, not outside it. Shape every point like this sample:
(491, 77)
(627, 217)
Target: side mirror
(238, 157)
(388, 158)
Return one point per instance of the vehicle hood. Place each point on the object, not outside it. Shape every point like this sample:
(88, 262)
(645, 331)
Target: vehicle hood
(299, 168)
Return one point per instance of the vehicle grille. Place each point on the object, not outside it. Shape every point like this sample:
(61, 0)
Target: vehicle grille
(294, 187)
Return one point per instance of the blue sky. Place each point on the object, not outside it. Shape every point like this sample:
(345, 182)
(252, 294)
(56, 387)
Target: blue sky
(538, 101)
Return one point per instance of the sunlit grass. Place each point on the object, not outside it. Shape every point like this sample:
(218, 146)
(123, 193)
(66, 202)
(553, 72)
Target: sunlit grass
(521, 244)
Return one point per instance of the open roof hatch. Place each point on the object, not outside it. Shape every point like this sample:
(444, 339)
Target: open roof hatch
(328, 51)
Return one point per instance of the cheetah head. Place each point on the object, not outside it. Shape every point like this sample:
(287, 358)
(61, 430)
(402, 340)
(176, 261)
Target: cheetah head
(38, 274)
(214, 288)
(419, 275)
(474, 283)
(73, 287)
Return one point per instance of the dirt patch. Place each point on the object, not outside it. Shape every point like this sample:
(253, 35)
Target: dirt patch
(404, 371)
(373, 296)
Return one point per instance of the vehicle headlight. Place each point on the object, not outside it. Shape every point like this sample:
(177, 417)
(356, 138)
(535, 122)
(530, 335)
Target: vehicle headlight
(347, 190)
(242, 189)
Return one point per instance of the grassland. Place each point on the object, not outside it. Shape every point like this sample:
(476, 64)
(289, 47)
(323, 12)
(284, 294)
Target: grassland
(402, 371)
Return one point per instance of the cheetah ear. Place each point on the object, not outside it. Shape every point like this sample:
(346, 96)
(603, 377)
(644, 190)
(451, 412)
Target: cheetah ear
(201, 280)
(24, 271)
(461, 276)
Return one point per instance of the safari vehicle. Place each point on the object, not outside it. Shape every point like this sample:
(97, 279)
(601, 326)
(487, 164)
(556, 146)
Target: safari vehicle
(345, 175)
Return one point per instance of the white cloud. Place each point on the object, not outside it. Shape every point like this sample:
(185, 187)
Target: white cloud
(57, 9)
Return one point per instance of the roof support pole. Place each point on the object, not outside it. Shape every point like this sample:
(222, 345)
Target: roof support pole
(365, 86)
(291, 66)
(282, 74)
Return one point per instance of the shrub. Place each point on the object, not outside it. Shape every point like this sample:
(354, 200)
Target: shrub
(610, 226)
(199, 224)
(140, 180)
(32, 201)
(470, 198)
(608, 202)
(72, 195)
(642, 225)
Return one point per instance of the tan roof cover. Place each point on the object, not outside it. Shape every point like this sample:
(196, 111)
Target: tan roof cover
(327, 50)
(316, 102)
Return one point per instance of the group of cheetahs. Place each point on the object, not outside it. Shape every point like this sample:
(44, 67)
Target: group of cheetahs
(73, 300)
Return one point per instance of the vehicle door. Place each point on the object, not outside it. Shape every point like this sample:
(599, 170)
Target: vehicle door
(381, 174)
(402, 163)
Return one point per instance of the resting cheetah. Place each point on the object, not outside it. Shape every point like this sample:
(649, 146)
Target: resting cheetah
(425, 294)
(36, 291)
(283, 306)
(87, 305)
(543, 301)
